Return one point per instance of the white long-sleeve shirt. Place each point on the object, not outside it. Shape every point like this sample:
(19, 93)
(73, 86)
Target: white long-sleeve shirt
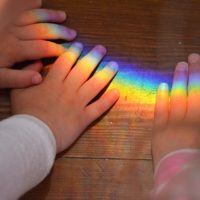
(28, 149)
(27, 153)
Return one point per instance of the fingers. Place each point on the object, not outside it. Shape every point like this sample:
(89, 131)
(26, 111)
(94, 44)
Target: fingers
(40, 15)
(64, 63)
(96, 109)
(35, 50)
(45, 31)
(161, 113)
(98, 82)
(85, 66)
(10, 78)
(194, 85)
(178, 97)
(37, 66)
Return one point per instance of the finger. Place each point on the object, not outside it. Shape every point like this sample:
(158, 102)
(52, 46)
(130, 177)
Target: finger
(60, 69)
(85, 66)
(98, 82)
(45, 31)
(36, 66)
(40, 15)
(10, 78)
(161, 112)
(99, 107)
(178, 97)
(194, 85)
(35, 50)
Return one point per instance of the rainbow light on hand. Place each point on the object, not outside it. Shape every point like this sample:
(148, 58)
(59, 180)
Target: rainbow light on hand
(135, 84)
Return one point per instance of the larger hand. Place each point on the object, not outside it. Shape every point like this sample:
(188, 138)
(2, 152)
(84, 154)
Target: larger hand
(63, 99)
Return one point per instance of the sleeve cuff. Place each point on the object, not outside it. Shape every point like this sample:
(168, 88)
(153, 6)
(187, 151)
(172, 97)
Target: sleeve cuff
(173, 164)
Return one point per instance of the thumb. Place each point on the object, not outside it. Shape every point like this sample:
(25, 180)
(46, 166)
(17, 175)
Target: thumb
(10, 78)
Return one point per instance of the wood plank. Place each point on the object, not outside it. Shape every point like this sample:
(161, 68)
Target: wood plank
(95, 179)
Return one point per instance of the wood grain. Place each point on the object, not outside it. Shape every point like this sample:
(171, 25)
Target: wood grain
(95, 179)
(112, 159)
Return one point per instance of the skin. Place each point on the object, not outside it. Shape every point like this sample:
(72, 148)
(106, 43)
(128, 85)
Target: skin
(15, 7)
(67, 91)
(177, 115)
(26, 37)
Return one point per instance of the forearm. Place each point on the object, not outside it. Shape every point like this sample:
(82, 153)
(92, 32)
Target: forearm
(177, 176)
(27, 153)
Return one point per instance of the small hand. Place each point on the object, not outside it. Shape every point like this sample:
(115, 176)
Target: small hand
(64, 99)
(27, 39)
(177, 118)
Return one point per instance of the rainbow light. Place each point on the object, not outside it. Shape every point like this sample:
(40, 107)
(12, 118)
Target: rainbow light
(194, 85)
(37, 15)
(136, 84)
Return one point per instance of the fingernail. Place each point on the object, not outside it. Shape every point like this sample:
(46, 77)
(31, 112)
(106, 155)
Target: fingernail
(77, 45)
(62, 14)
(100, 49)
(98, 52)
(72, 33)
(113, 66)
(182, 66)
(36, 79)
(163, 86)
(193, 58)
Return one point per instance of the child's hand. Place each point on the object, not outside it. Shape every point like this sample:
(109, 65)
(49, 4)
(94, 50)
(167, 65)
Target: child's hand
(63, 99)
(177, 119)
(26, 39)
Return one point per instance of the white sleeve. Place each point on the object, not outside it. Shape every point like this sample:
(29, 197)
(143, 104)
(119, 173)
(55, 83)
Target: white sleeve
(27, 153)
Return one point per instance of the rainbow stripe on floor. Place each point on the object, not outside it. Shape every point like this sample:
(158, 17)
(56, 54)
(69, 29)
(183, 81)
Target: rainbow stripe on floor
(136, 84)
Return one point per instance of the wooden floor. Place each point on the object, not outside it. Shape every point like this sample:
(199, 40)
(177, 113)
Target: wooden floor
(112, 159)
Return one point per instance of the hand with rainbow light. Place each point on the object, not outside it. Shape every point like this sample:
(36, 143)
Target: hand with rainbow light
(177, 117)
(68, 104)
(27, 37)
